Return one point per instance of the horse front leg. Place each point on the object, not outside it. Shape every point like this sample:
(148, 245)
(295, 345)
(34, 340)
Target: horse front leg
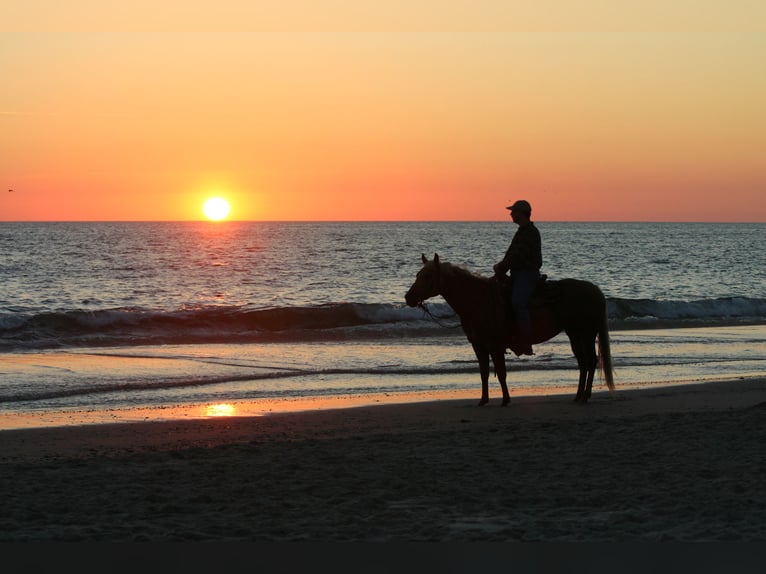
(498, 359)
(483, 357)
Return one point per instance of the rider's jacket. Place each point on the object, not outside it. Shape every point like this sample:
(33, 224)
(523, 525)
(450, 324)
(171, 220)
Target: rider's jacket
(525, 251)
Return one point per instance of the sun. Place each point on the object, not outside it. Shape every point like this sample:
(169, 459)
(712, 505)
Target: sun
(216, 208)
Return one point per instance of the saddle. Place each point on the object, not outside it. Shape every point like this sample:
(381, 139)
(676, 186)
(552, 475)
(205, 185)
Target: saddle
(541, 296)
(543, 292)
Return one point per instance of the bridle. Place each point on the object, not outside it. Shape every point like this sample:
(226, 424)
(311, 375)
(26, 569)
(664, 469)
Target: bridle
(427, 311)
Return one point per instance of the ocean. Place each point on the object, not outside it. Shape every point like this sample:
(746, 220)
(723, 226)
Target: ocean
(104, 316)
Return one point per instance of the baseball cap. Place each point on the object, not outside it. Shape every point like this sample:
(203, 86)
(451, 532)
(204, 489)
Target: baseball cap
(520, 205)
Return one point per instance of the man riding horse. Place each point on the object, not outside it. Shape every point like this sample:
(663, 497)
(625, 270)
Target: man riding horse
(524, 259)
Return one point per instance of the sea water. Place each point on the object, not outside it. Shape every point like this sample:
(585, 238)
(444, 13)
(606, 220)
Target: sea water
(114, 315)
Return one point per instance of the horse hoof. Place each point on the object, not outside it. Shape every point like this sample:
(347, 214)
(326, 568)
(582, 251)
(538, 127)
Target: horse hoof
(506, 402)
(482, 402)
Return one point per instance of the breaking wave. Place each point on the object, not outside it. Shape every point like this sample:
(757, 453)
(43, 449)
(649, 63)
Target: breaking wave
(332, 322)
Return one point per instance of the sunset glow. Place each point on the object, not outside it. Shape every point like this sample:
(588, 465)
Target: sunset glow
(654, 113)
(216, 208)
(220, 410)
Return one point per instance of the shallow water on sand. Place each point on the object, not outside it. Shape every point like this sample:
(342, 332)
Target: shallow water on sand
(164, 378)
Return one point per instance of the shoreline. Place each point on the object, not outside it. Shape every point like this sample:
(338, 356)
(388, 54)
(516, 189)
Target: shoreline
(62, 434)
(248, 408)
(239, 409)
(670, 463)
(89, 386)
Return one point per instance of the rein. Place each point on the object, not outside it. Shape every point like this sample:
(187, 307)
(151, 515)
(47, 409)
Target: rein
(427, 311)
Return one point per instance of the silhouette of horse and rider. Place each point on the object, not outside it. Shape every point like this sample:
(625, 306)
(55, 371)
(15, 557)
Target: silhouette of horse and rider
(501, 312)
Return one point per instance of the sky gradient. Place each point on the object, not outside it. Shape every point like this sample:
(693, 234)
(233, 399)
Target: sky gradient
(373, 116)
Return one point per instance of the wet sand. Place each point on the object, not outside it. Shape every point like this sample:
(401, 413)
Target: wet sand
(673, 463)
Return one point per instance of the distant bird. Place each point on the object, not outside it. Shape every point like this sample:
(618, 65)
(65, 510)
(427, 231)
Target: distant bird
(10, 191)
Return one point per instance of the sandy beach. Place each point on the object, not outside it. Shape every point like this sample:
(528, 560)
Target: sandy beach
(668, 463)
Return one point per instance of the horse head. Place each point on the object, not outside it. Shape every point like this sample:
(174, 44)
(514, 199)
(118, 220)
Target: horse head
(427, 282)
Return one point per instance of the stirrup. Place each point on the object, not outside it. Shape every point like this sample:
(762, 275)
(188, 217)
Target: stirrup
(520, 349)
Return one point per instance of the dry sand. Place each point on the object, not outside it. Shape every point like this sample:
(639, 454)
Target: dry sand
(684, 463)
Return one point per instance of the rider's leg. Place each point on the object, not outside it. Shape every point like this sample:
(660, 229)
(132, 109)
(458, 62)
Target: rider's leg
(523, 285)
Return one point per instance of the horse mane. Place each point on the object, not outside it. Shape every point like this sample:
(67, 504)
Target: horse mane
(460, 271)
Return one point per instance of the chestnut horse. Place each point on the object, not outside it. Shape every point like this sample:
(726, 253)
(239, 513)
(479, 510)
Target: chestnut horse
(571, 305)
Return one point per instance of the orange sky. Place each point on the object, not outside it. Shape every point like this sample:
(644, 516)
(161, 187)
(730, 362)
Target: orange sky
(590, 114)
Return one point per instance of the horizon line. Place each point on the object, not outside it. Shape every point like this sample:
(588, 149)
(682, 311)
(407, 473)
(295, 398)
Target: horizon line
(223, 222)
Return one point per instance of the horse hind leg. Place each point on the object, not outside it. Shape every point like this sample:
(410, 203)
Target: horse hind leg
(592, 365)
(581, 385)
(591, 372)
(581, 353)
(587, 360)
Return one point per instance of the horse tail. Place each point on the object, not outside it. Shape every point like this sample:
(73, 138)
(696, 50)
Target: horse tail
(605, 352)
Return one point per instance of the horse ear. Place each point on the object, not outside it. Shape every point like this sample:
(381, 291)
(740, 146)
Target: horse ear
(436, 258)
(423, 258)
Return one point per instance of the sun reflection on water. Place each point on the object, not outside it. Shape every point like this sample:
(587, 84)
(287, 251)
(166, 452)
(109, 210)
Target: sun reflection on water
(220, 410)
